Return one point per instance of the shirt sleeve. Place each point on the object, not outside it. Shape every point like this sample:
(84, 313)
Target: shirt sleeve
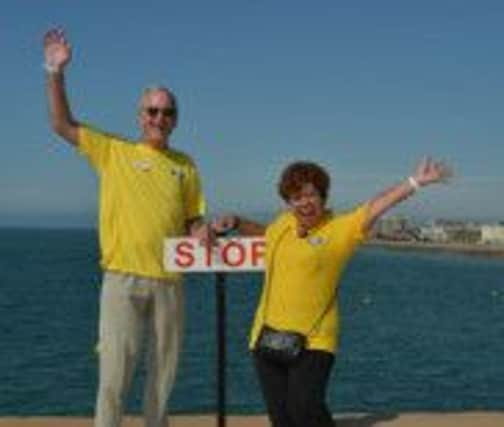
(195, 204)
(279, 225)
(356, 221)
(95, 146)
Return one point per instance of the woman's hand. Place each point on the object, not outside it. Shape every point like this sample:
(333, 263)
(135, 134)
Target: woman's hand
(244, 226)
(427, 172)
(430, 171)
(225, 223)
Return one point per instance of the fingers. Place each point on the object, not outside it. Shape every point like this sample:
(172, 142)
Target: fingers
(432, 167)
(424, 163)
(206, 236)
(217, 225)
(444, 171)
(56, 35)
(438, 168)
(430, 171)
(224, 223)
(422, 166)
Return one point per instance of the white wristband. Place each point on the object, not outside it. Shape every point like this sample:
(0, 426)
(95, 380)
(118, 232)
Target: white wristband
(51, 69)
(413, 183)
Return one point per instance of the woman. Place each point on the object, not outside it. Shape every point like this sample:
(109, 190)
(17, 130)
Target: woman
(307, 249)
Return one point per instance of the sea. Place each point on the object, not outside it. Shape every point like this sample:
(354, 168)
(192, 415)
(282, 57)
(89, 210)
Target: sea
(420, 331)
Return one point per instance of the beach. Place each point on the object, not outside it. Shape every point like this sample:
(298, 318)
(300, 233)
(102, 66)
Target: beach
(418, 419)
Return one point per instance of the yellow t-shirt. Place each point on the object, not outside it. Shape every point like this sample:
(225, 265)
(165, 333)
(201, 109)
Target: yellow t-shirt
(302, 275)
(145, 196)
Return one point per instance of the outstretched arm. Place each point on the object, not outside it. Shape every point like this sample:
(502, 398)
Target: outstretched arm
(427, 172)
(57, 53)
(243, 226)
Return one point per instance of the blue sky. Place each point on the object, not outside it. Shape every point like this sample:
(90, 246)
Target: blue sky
(364, 87)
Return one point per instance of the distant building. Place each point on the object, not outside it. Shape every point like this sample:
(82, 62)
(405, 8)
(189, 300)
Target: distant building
(400, 228)
(396, 228)
(492, 234)
(434, 233)
(447, 231)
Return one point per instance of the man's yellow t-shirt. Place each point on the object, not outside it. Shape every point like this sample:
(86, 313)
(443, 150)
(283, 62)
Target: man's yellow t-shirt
(303, 274)
(145, 196)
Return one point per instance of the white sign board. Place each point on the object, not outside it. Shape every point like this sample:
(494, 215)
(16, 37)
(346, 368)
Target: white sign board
(230, 254)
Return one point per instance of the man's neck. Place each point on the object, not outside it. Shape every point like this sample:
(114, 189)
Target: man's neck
(156, 144)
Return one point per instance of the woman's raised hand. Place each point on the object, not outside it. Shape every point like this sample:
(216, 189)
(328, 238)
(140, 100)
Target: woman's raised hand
(430, 171)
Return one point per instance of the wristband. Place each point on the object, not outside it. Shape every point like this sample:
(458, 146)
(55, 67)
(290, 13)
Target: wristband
(413, 183)
(51, 69)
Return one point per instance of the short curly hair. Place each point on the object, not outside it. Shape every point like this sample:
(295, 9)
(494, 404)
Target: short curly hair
(296, 174)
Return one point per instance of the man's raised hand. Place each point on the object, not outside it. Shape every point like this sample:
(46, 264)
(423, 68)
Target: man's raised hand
(57, 50)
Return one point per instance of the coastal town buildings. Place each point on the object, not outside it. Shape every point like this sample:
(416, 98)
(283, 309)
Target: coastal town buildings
(401, 228)
(397, 228)
(448, 231)
(492, 234)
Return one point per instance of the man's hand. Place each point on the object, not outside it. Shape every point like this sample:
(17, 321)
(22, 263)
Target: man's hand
(57, 50)
(203, 232)
(429, 171)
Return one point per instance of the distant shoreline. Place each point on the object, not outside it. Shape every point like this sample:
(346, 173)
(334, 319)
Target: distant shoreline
(461, 248)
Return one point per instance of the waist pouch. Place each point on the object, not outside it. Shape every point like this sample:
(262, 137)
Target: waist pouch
(280, 346)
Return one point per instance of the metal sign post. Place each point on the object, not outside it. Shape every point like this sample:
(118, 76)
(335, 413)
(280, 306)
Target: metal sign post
(220, 297)
(229, 255)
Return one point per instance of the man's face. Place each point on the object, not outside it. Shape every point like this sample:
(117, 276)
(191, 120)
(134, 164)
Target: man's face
(157, 116)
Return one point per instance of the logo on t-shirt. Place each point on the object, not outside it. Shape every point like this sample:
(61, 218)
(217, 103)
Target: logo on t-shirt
(316, 240)
(178, 173)
(143, 165)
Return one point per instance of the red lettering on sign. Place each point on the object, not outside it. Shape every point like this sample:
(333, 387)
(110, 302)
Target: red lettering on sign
(258, 247)
(208, 255)
(229, 248)
(184, 254)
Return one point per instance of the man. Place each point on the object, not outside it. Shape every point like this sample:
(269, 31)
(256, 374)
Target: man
(148, 191)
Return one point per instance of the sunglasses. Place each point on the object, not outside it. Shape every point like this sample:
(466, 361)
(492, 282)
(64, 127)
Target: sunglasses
(165, 112)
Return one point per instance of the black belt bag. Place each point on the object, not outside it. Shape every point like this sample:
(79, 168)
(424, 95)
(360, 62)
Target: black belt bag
(280, 346)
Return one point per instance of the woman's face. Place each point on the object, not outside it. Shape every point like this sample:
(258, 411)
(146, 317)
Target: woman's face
(307, 206)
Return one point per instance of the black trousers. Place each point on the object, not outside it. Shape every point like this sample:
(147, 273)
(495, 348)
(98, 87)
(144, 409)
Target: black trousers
(295, 393)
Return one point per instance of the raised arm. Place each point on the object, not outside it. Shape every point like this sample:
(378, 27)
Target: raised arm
(243, 226)
(57, 54)
(427, 172)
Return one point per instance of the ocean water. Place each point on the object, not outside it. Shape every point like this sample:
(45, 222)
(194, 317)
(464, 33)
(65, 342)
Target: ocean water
(421, 331)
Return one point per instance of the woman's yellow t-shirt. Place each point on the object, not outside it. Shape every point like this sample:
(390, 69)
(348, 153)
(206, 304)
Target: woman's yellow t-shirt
(303, 274)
